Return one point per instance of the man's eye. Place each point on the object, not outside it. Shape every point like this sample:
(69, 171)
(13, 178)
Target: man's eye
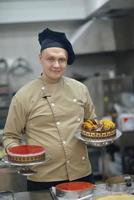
(62, 60)
(51, 59)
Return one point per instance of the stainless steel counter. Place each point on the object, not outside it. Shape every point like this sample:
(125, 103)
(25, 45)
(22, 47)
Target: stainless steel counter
(10, 180)
(38, 195)
(46, 195)
(41, 195)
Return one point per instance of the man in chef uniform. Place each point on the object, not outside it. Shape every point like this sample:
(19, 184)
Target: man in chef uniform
(50, 111)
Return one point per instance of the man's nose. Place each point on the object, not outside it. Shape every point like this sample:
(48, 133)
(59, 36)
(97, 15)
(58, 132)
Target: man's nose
(56, 63)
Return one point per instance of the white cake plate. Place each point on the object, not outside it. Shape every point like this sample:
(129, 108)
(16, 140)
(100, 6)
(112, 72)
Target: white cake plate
(24, 168)
(99, 142)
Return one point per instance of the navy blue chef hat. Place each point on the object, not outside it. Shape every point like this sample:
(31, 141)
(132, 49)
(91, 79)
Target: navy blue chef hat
(49, 38)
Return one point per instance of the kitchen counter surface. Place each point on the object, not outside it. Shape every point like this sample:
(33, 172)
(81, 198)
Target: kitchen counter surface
(46, 195)
(38, 195)
(41, 195)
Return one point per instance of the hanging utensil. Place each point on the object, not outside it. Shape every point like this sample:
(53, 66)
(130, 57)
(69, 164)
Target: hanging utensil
(20, 67)
(3, 72)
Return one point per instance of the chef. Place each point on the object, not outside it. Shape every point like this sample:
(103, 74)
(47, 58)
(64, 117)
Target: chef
(50, 111)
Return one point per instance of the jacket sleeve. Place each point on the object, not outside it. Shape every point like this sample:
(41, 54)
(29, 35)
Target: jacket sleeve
(89, 109)
(15, 123)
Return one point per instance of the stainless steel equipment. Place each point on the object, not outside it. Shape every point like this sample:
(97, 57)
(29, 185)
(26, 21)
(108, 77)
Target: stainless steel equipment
(5, 93)
(110, 27)
(124, 183)
(10, 180)
(39, 195)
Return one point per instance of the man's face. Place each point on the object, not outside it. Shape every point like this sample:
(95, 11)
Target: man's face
(54, 62)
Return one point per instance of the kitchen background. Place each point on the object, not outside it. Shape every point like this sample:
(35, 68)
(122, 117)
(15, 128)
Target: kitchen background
(102, 33)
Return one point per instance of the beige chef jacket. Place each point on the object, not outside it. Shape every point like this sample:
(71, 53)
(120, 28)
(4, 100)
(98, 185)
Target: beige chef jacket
(50, 114)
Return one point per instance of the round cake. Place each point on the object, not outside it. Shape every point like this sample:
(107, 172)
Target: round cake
(74, 190)
(117, 197)
(74, 186)
(98, 129)
(26, 153)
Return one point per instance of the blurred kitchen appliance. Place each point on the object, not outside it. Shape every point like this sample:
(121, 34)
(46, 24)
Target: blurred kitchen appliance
(125, 122)
(123, 183)
(5, 95)
(128, 160)
(105, 92)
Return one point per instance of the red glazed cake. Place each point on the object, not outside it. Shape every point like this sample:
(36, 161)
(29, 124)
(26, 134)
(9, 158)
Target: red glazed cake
(26, 153)
(74, 186)
(75, 190)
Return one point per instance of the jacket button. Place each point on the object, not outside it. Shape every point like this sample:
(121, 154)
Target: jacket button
(74, 100)
(78, 119)
(83, 158)
(58, 123)
(64, 142)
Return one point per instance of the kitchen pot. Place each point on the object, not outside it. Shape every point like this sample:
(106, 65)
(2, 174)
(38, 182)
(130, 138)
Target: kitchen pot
(75, 190)
(124, 183)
